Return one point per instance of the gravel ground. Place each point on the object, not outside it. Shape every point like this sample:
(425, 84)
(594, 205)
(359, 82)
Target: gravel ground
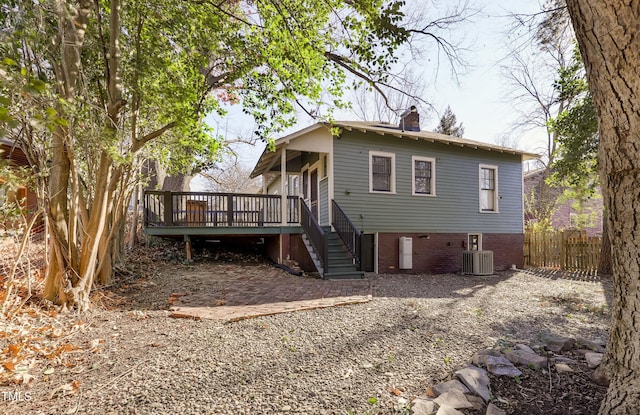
(344, 360)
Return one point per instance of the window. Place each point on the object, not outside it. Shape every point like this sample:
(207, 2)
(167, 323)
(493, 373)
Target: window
(488, 188)
(325, 167)
(293, 185)
(382, 177)
(424, 176)
(474, 242)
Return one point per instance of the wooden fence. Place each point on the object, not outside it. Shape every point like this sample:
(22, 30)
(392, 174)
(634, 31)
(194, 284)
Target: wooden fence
(565, 250)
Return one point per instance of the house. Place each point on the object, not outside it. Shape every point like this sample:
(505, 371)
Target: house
(23, 195)
(566, 213)
(400, 199)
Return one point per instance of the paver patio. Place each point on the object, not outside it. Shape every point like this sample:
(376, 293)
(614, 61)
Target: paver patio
(270, 293)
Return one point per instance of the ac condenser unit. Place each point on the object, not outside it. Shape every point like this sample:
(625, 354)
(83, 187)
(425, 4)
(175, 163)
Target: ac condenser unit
(477, 262)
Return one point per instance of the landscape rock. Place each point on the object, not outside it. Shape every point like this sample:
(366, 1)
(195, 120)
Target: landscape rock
(480, 358)
(422, 406)
(600, 377)
(453, 384)
(557, 344)
(447, 410)
(494, 410)
(593, 359)
(500, 365)
(596, 345)
(476, 401)
(522, 357)
(454, 399)
(563, 359)
(525, 348)
(476, 380)
(563, 368)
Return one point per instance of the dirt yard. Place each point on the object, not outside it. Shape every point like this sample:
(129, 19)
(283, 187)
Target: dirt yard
(129, 356)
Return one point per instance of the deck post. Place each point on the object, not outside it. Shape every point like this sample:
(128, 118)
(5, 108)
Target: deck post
(283, 186)
(230, 209)
(187, 247)
(168, 209)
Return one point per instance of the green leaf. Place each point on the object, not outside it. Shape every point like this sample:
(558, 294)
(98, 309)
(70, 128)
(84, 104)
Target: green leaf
(9, 62)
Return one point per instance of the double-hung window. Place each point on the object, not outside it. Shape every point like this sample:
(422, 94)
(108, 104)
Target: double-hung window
(424, 176)
(382, 177)
(488, 188)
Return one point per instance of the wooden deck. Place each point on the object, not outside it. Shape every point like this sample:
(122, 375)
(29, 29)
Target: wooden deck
(176, 214)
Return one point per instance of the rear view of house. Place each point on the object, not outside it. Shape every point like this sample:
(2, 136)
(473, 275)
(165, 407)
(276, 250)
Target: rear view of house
(418, 200)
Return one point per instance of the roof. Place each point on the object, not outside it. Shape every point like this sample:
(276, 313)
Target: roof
(267, 159)
(391, 129)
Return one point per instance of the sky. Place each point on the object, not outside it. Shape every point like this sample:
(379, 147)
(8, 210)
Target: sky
(479, 97)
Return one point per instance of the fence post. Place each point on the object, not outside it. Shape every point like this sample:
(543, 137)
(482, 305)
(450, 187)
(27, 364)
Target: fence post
(563, 250)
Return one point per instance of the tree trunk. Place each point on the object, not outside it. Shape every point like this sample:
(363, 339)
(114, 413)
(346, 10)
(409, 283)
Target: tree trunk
(133, 229)
(177, 182)
(604, 266)
(608, 34)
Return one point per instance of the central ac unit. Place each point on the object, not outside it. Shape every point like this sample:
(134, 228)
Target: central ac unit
(477, 262)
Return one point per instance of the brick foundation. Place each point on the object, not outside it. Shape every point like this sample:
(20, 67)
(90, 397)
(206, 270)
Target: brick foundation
(292, 247)
(439, 253)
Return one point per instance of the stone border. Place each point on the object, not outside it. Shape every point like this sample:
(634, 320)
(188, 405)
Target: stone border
(469, 386)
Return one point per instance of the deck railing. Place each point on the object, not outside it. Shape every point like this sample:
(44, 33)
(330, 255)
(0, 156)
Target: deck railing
(347, 231)
(205, 209)
(317, 236)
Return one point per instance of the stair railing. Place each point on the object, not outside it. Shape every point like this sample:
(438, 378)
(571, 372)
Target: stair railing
(347, 231)
(316, 234)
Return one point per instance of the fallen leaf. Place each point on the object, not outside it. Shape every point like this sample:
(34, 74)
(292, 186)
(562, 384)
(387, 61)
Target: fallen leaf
(9, 365)
(23, 378)
(66, 389)
(430, 393)
(396, 392)
(14, 349)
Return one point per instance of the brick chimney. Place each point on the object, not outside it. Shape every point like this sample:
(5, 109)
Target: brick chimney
(410, 120)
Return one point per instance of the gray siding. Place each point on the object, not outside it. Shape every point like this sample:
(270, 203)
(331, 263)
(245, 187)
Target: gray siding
(455, 208)
(323, 202)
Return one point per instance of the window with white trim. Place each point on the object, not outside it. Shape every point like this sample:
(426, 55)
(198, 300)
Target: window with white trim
(293, 185)
(382, 172)
(424, 176)
(488, 188)
(474, 242)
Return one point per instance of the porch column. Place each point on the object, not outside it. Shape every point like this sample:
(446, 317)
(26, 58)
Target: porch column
(283, 186)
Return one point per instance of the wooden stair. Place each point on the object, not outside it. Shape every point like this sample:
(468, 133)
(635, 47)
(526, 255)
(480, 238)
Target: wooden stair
(341, 264)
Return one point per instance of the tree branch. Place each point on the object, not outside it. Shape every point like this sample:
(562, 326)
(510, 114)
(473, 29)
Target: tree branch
(138, 144)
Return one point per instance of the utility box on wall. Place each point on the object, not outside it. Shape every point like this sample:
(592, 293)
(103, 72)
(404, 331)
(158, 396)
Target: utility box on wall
(406, 249)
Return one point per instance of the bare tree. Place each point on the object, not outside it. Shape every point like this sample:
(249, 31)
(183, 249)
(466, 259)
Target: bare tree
(406, 85)
(542, 47)
(233, 177)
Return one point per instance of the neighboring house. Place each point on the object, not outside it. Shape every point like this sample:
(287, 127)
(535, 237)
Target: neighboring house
(25, 196)
(394, 182)
(567, 214)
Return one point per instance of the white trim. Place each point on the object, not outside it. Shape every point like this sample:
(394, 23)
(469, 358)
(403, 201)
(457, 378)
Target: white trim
(496, 208)
(392, 179)
(479, 240)
(283, 186)
(431, 160)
